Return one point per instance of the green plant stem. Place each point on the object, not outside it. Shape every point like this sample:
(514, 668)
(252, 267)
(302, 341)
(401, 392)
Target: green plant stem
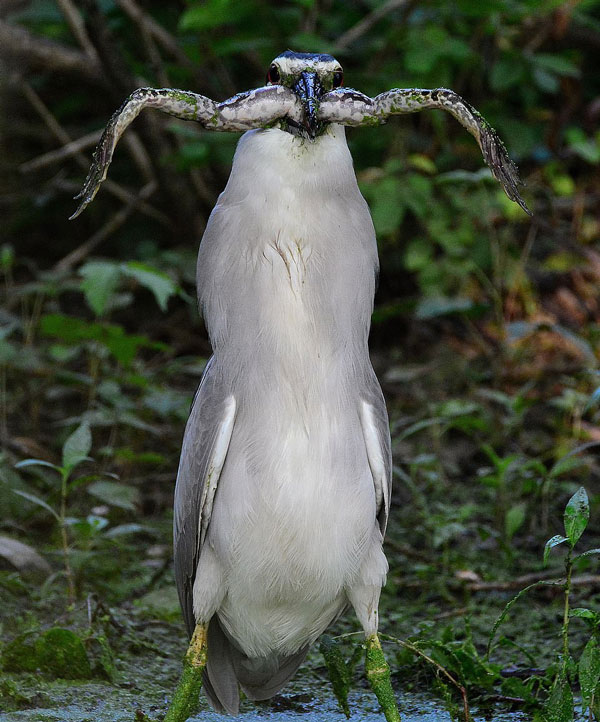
(415, 650)
(565, 624)
(65, 540)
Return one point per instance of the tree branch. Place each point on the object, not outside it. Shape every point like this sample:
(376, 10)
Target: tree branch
(75, 22)
(19, 44)
(363, 26)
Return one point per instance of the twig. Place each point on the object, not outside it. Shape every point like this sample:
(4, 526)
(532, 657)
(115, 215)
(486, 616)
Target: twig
(438, 666)
(460, 612)
(163, 37)
(584, 580)
(46, 54)
(141, 20)
(182, 199)
(363, 26)
(107, 229)
(407, 551)
(137, 150)
(67, 150)
(63, 137)
(75, 22)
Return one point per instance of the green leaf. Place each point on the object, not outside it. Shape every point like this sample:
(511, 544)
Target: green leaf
(36, 462)
(387, 204)
(121, 495)
(594, 400)
(577, 514)
(559, 705)
(508, 606)
(77, 447)
(435, 306)
(588, 553)
(583, 613)
(71, 330)
(100, 280)
(514, 519)
(124, 530)
(555, 541)
(507, 72)
(156, 281)
(565, 465)
(213, 13)
(589, 670)
(556, 64)
(36, 500)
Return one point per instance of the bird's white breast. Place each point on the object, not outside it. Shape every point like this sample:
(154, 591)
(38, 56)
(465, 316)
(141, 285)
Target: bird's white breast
(286, 276)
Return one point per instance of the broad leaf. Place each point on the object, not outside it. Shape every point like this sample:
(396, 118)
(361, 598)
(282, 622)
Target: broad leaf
(121, 495)
(100, 280)
(588, 553)
(589, 670)
(559, 705)
(577, 514)
(508, 606)
(555, 541)
(36, 462)
(514, 519)
(36, 500)
(159, 283)
(77, 447)
(583, 613)
(125, 529)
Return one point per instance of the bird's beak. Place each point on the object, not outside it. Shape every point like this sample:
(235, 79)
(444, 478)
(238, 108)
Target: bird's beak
(308, 88)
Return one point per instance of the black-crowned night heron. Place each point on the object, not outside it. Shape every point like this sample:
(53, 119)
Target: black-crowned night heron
(284, 483)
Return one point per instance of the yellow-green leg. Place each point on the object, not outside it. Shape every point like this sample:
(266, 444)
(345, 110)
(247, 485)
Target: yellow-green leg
(378, 674)
(185, 699)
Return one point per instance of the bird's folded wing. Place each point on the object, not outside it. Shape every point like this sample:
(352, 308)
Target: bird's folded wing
(376, 432)
(205, 444)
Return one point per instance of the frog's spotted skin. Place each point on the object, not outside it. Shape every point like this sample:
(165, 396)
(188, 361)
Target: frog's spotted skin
(350, 107)
(244, 111)
(279, 105)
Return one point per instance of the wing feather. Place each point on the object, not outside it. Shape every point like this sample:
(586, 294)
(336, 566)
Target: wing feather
(376, 432)
(204, 450)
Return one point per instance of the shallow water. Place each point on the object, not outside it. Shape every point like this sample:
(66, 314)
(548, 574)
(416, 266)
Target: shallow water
(115, 705)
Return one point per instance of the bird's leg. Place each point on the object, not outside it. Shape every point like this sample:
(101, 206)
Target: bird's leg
(350, 107)
(365, 600)
(378, 675)
(185, 699)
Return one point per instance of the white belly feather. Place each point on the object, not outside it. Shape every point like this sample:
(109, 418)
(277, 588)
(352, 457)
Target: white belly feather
(296, 492)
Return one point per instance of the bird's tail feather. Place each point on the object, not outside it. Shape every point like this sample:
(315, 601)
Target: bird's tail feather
(227, 666)
(219, 678)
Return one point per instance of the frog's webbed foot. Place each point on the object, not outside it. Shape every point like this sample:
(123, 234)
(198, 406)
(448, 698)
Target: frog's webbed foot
(350, 107)
(245, 111)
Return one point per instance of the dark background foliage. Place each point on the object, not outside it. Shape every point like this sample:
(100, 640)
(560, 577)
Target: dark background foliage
(485, 333)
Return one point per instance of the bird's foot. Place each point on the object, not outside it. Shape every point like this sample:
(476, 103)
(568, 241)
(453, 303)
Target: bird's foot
(378, 674)
(185, 700)
(339, 672)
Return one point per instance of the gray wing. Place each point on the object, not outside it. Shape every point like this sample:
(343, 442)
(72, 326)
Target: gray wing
(376, 432)
(203, 453)
(244, 111)
(350, 107)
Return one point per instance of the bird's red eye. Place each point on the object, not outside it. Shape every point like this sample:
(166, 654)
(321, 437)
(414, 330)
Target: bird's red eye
(273, 74)
(338, 78)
